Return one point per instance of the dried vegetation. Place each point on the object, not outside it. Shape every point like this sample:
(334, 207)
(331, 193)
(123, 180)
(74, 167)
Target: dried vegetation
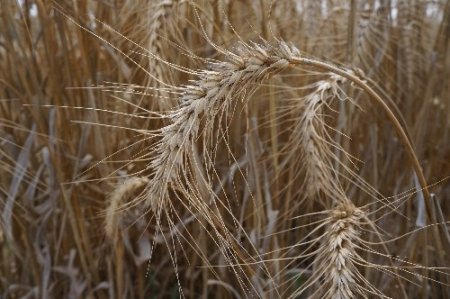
(226, 149)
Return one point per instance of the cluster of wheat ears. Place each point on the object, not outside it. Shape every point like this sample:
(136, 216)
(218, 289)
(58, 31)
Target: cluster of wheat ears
(225, 149)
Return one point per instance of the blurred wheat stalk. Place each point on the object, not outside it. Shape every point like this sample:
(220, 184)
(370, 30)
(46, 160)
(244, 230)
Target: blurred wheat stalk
(222, 167)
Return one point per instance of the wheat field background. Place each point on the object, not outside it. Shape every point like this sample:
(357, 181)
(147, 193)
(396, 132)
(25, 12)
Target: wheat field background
(224, 149)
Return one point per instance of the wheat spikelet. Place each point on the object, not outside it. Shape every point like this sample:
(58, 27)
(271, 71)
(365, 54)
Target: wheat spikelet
(123, 192)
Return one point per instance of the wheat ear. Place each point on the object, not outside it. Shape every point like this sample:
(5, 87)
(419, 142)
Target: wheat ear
(121, 194)
(202, 101)
(335, 273)
(159, 19)
(337, 254)
(311, 137)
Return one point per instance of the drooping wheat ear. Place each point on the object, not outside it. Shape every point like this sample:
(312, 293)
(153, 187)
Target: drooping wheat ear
(311, 136)
(205, 99)
(121, 194)
(335, 274)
